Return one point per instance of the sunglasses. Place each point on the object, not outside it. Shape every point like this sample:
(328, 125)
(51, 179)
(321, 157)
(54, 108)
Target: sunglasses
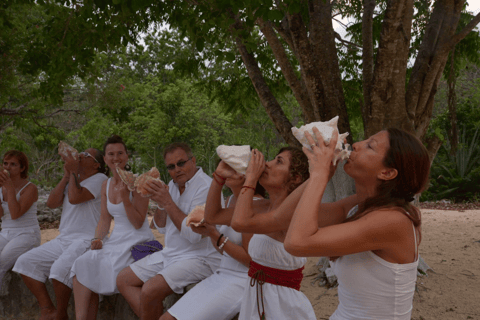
(86, 154)
(179, 164)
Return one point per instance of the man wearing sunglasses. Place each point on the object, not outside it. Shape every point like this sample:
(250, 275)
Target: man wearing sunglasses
(79, 193)
(187, 257)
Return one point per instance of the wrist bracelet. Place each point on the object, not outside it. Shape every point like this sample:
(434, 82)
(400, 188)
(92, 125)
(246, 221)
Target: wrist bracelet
(248, 187)
(219, 182)
(218, 240)
(225, 241)
(94, 239)
(215, 173)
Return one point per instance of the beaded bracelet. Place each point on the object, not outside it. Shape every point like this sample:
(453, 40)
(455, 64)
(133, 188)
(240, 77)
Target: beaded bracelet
(248, 187)
(218, 241)
(94, 239)
(225, 241)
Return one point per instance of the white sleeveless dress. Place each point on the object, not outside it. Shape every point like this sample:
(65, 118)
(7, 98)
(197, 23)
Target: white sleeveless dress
(280, 302)
(98, 269)
(372, 288)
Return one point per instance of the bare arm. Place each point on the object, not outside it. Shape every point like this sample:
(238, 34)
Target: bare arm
(137, 209)
(28, 196)
(160, 218)
(105, 221)
(76, 193)
(55, 199)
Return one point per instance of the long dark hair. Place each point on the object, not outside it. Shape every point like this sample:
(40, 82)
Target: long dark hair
(112, 140)
(298, 167)
(409, 157)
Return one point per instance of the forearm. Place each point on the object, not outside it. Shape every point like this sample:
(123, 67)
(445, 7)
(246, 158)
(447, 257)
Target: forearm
(160, 217)
(103, 227)
(13, 205)
(74, 189)
(214, 213)
(55, 199)
(305, 220)
(236, 252)
(1, 211)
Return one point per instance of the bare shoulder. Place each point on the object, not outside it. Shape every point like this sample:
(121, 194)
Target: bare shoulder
(388, 221)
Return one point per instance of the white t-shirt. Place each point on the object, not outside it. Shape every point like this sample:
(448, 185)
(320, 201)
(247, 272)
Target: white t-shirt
(185, 244)
(79, 221)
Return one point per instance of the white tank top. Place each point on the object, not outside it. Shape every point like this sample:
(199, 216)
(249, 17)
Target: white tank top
(27, 220)
(372, 288)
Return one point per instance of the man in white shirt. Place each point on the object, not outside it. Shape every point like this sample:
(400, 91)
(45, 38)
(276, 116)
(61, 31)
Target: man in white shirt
(187, 257)
(79, 193)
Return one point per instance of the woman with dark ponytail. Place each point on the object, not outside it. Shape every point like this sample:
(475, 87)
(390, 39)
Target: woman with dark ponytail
(375, 233)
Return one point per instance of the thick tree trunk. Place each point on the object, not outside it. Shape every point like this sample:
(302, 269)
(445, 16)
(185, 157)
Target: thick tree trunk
(388, 93)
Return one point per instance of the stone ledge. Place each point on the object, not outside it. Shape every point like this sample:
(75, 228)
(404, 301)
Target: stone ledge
(17, 302)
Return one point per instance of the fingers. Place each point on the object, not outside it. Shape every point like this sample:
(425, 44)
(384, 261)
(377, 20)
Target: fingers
(318, 136)
(333, 142)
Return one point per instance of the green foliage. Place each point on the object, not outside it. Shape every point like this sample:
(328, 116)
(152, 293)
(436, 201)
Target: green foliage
(456, 176)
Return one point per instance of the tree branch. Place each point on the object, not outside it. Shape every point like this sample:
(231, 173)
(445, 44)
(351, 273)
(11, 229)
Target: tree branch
(367, 57)
(465, 31)
(295, 84)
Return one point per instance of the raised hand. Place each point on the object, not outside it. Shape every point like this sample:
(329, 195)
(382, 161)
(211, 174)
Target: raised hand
(225, 171)
(321, 156)
(159, 192)
(71, 165)
(255, 167)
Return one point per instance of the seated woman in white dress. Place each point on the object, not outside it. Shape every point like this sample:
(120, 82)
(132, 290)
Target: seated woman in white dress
(219, 296)
(375, 232)
(273, 287)
(95, 272)
(18, 210)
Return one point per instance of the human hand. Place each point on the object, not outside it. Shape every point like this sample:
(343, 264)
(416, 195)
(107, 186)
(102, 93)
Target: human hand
(255, 168)
(321, 156)
(159, 192)
(4, 177)
(96, 244)
(225, 171)
(71, 164)
(206, 230)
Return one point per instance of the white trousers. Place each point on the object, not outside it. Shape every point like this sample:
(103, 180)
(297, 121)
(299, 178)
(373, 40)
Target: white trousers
(14, 243)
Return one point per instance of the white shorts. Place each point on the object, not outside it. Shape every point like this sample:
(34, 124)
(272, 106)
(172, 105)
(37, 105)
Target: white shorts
(178, 275)
(218, 297)
(53, 260)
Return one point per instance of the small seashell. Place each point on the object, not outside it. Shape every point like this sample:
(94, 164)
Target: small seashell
(236, 157)
(342, 150)
(128, 178)
(64, 149)
(196, 217)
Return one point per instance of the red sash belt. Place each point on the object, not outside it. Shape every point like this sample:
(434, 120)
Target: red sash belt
(260, 274)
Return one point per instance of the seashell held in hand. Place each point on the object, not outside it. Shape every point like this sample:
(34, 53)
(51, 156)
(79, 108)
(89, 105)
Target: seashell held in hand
(128, 178)
(140, 181)
(65, 149)
(327, 128)
(236, 157)
(7, 172)
(196, 216)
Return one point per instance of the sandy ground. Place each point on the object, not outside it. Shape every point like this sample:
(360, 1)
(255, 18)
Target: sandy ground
(450, 246)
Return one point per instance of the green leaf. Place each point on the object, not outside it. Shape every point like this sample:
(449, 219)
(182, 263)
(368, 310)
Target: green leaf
(200, 44)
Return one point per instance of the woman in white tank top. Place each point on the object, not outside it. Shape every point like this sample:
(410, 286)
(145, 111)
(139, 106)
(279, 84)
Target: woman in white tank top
(373, 235)
(18, 210)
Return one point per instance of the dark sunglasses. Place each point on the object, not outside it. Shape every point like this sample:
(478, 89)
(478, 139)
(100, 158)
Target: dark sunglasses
(179, 164)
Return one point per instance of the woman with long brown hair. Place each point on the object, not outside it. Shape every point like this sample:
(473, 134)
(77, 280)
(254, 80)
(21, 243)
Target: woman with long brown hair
(375, 233)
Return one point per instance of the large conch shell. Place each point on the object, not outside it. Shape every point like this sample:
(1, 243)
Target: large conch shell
(196, 217)
(128, 178)
(236, 157)
(64, 149)
(342, 151)
(142, 179)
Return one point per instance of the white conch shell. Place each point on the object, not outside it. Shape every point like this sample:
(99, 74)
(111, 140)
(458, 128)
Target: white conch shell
(326, 129)
(236, 157)
(196, 216)
(64, 149)
(7, 172)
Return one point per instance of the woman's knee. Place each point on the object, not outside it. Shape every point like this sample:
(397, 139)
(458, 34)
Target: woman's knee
(155, 289)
